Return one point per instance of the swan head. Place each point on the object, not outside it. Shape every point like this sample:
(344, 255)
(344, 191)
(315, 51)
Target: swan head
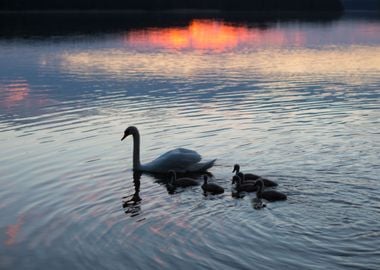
(236, 179)
(236, 168)
(130, 130)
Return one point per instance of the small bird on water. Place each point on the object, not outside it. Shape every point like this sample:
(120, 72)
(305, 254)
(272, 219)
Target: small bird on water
(211, 188)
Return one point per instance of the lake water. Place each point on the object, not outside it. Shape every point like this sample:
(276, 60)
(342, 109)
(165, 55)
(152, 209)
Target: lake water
(294, 100)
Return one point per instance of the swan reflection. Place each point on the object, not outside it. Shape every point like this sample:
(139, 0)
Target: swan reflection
(132, 204)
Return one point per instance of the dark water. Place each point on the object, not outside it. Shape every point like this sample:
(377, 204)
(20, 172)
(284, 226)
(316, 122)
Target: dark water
(296, 101)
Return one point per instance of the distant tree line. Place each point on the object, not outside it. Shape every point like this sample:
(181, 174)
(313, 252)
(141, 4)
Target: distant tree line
(157, 5)
(362, 4)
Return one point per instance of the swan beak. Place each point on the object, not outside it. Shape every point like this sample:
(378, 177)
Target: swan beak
(125, 136)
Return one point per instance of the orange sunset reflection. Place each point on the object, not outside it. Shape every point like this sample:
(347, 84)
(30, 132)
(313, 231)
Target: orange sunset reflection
(216, 36)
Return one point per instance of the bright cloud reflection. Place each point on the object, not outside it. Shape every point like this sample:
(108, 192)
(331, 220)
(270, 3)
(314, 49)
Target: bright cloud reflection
(215, 48)
(351, 63)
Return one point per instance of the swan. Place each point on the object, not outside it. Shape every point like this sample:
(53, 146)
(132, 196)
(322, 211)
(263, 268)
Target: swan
(180, 159)
(243, 179)
(246, 177)
(248, 187)
(212, 188)
(181, 182)
(269, 195)
(267, 182)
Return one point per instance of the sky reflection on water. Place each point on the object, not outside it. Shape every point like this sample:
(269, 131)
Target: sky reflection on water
(200, 48)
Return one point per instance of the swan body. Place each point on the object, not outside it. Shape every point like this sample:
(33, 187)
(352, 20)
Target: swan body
(267, 182)
(181, 182)
(269, 195)
(180, 159)
(249, 177)
(212, 188)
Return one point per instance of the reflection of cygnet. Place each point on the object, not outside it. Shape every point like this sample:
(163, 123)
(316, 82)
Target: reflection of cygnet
(257, 203)
(181, 182)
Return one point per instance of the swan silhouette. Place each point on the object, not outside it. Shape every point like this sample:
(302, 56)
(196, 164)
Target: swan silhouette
(269, 195)
(249, 177)
(180, 160)
(212, 188)
(248, 187)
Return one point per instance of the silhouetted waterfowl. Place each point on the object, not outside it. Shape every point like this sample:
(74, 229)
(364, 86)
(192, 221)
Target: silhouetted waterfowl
(181, 182)
(212, 188)
(249, 177)
(180, 159)
(248, 187)
(267, 182)
(269, 195)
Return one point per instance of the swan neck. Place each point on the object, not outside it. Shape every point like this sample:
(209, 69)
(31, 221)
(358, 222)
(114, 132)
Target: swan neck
(238, 182)
(136, 150)
(259, 192)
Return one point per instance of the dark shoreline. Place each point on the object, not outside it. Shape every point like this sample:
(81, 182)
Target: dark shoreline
(45, 23)
(175, 5)
(15, 24)
(58, 23)
(166, 11)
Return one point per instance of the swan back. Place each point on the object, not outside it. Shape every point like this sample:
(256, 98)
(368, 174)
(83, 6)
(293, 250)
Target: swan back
(180, 160)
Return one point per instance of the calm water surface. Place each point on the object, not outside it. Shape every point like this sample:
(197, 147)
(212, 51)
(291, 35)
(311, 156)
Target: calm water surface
(297, 102)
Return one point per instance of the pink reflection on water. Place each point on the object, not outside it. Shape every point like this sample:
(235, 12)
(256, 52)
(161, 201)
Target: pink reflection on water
(13, 93)
(13, 230)
(18, 94)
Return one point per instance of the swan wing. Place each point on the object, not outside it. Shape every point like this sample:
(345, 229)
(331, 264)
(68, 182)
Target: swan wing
(179, 159)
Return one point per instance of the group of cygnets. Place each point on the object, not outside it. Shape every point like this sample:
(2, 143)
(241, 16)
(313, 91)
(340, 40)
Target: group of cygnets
(244, 182)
